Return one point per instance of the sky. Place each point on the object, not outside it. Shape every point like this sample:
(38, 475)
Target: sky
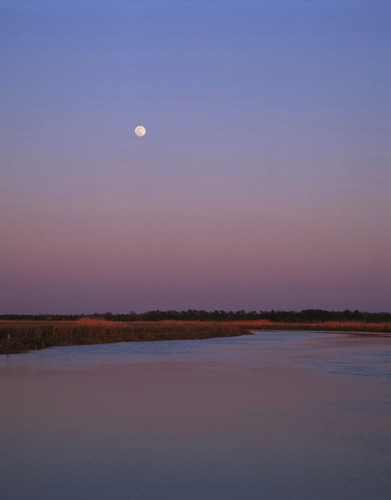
(263, 181)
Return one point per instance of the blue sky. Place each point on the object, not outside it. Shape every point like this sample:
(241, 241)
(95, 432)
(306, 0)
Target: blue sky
(264, 178)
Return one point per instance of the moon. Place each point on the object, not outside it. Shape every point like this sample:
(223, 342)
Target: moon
(140, 131)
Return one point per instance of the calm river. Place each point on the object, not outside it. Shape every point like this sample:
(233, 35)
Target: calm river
(275, 415)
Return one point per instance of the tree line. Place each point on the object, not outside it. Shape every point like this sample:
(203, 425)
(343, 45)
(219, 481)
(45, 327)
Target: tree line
(304, 316)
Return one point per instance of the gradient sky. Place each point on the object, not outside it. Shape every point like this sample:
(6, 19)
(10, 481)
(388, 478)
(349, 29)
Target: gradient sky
(264, 179)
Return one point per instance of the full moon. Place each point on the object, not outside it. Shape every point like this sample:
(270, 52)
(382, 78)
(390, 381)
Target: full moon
(140, 131)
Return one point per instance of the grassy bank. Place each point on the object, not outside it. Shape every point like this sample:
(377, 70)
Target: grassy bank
(329, 326)
(24, 335)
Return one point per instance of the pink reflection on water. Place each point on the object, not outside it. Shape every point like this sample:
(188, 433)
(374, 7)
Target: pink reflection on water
(159, 428)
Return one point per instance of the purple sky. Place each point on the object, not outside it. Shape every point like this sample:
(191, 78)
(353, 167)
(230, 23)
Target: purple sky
(263, 181)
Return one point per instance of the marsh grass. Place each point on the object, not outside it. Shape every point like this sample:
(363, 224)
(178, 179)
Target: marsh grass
(93, 322)
(332, 326)
(21, 336)
(26, 335)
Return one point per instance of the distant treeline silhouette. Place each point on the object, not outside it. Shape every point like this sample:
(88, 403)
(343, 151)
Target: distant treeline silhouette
(305, 316)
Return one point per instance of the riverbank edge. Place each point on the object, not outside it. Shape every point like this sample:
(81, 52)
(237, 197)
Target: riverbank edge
(20, 336)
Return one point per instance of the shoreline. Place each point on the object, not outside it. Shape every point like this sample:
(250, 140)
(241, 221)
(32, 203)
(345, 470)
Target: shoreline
(19, 336)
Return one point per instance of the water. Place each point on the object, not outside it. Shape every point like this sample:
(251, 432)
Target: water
(276, 415)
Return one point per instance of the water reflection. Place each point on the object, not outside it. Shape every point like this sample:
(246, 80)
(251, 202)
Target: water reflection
(276, 415)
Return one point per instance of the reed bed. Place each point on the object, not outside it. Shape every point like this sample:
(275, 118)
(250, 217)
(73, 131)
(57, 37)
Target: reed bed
(22, 336)
(26, 335)
(330, 326)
